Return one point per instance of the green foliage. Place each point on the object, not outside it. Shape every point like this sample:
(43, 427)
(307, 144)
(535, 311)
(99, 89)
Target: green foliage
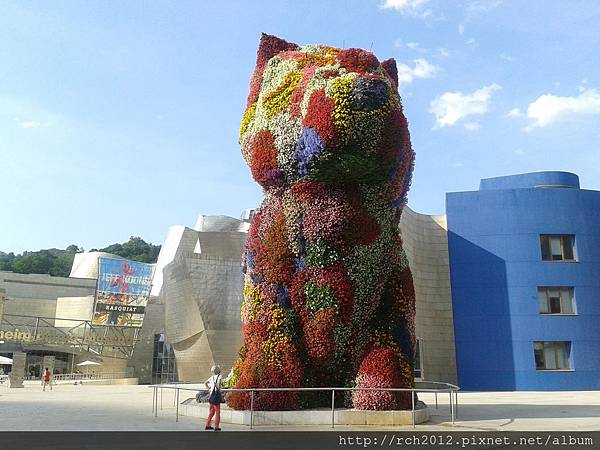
(291, 324)
(320, 254)
(319, 297)
(58, 263)
(53, 261)
(135, 249)
(341, 168)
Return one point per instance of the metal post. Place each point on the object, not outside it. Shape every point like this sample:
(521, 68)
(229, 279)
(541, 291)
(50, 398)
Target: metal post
(174, 396)
(177, 411)
(412, 395)
(161, 394)
(333, 408)
(456, 404)
(451, 407)
(153, 391)
(155, 402)
(251, 409)
(436, 405)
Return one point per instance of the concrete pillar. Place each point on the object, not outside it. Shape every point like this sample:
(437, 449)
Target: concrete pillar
(2, 296)
(48, 361)
(15, 377)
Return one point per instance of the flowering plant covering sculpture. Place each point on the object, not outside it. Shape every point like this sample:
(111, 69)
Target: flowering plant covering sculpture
(328, 296)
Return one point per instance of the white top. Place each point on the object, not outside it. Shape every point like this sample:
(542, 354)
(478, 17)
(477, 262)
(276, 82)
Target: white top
(214, 380)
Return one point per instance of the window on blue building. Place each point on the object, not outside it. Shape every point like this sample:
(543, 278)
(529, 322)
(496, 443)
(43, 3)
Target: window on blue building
(552, 355)
(556, 300)
(558, 247)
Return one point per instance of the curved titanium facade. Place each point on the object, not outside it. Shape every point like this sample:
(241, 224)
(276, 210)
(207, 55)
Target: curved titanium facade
(200, 285)
(500, 280)
(425, 241)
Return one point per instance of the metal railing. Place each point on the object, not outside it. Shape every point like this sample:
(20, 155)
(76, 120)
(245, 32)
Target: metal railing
(76, 335)
(91, 376)
(444, 388)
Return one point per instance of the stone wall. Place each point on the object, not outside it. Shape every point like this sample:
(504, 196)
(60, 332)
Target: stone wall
(36, 295)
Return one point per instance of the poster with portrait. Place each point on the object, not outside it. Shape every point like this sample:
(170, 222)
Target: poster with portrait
(122, 293)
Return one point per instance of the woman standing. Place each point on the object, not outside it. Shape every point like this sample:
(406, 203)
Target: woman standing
(47, 379)
(214, 384)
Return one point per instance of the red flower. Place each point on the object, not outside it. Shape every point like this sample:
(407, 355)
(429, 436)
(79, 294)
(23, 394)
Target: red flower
(320, 117)
(273, 254)
(364, 229)
(318, 335)
(357, 60)
(298, 94)
(263, 159)
(268, 47)
(381, 368)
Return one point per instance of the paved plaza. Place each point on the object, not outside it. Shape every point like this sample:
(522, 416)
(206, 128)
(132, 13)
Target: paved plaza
(94, 408)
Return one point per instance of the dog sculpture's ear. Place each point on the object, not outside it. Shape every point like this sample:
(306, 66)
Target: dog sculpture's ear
(268, 47)
(389, 65)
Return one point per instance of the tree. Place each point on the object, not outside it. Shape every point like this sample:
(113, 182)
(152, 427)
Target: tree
(73, 249)
(135, 249)
(58, 263)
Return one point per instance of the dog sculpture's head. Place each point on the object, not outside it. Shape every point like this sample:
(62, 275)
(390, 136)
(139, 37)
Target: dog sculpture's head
(325, 115)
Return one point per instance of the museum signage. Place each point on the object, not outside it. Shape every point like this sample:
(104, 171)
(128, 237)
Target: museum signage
(122, 293)
(49, 338)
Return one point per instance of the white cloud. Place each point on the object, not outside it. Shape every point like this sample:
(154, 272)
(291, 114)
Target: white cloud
(547, 108)
(30, 124)
(451, 107)
(416, 47)
(443, 52)
(506, 57)
(520, 152)
(414, 8)
(477, 7)
(472, 126)
(422, 69)
(515, 112)
(461, 29)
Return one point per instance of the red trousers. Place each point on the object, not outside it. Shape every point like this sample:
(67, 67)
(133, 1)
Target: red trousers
(214, 410)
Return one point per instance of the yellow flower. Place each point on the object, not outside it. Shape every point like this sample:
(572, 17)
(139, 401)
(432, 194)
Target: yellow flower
(341, 90)
(278, 100)
(247, 119)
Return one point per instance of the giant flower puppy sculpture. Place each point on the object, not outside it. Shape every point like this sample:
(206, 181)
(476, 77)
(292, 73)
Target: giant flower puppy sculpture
(328, 296)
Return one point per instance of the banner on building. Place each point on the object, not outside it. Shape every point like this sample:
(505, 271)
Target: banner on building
(123, 291)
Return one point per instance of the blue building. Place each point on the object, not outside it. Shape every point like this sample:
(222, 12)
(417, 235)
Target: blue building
(524, 256)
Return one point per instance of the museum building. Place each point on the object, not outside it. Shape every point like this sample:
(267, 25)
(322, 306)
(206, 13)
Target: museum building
(507, 288)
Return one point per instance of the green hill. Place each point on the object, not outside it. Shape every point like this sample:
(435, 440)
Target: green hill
(57, 262)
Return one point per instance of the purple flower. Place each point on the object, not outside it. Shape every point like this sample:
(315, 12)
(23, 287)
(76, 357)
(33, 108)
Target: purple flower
(309, 146)
(273, 177)
(300, 263)
(283, 297)
(250, 259)
(255, 278)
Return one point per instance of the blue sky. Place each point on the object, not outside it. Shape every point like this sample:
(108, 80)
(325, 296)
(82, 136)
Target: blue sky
(120, 118)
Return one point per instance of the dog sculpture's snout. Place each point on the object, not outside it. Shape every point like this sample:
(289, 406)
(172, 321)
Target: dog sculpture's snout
(368, 95)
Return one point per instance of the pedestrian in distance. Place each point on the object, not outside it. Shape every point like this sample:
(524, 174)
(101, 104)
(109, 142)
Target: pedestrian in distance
(214, 385)
(47, 379)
